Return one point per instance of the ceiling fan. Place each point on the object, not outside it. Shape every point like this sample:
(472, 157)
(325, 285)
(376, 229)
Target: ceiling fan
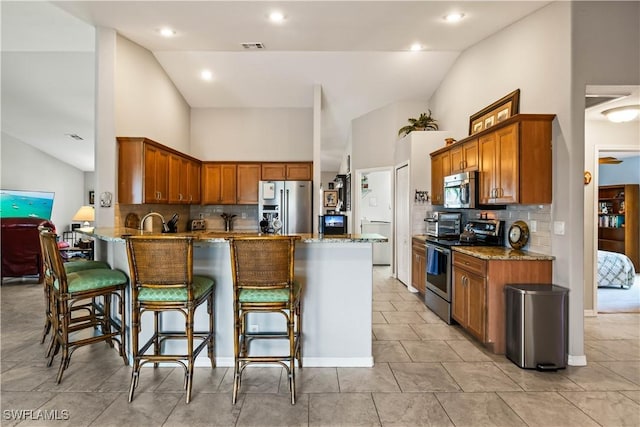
(609, 160)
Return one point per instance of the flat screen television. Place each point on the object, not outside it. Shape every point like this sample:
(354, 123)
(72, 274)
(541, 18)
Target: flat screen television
(24, 203)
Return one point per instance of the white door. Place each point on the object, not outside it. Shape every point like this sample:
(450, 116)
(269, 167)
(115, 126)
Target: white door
(403, 228)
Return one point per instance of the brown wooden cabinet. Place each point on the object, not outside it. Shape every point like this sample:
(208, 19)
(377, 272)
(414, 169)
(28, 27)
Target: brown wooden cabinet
(440, 167)
(219, 183)
(478, 293)
(464, 157)
(418, 265)
(618, 220)
(248, 177)
(149, 172)
(143, 171)
(293, 171)
(469, 294)
(514, 162)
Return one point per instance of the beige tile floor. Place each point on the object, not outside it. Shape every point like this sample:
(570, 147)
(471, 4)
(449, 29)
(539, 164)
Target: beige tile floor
(426, 373)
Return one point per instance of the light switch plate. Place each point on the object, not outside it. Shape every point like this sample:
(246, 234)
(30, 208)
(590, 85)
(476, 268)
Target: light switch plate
(558, 227)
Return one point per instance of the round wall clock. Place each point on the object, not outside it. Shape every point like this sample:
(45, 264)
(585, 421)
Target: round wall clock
(518, 234)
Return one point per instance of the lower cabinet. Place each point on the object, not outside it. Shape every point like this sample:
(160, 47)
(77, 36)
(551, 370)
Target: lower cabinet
(478, 302)
(418, 265)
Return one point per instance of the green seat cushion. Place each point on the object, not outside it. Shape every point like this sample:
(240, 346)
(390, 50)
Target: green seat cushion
(73, 266)
(87, 280)
(201, 285)
(269, 295)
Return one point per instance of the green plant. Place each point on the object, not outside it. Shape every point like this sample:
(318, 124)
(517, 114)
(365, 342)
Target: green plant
(423, 122)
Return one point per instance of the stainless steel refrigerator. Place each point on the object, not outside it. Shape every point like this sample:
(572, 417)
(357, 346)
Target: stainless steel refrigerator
(285, 207)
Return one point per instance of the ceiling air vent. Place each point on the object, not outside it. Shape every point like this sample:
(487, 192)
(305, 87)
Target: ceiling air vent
(253, 45)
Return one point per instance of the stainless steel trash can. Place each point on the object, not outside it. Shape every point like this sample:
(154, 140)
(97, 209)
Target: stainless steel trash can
(537, 326)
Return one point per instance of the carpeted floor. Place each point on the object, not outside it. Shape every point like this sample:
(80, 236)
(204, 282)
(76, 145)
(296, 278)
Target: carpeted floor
(617, 300)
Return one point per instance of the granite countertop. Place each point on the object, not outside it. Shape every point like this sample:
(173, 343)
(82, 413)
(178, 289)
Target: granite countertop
(495, 252)
(502, 253)
(119, 233)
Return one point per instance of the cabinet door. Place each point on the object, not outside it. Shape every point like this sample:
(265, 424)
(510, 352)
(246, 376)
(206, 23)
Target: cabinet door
(507, 173)
(156, 175)
(274, 171)
(194, 182)
(488, 153)
(459, 297)
(248, 178)
(476, 306)
(440, 167)
(418, 267)
(470, 155)
(457, 159)
(299, 172)
(175, 179)
(218, 184)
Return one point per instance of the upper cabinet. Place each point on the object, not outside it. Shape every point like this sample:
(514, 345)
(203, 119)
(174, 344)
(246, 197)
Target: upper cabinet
(248, 177)
(295, 171)
(464, 157)
(149, 172)
(513, 160)
(440, 167)
(219, 183)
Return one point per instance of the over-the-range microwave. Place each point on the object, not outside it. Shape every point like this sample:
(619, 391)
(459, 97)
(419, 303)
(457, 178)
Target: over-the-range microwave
(460, 190)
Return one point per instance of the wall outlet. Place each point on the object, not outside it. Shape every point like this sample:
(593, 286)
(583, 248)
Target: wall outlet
(533, 226)
(254, 329)
(243, 215)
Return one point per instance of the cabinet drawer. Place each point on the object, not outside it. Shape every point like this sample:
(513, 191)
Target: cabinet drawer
(418, 246)
(470, 263)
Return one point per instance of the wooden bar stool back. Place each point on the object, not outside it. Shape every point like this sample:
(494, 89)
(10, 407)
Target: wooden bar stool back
(162, 280)
(69, 267)
(72, 292)
(263, 282)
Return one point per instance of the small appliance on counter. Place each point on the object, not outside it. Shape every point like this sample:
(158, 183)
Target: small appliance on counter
(443, 224)
(197, 225)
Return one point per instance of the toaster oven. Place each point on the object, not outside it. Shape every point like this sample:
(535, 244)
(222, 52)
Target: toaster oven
(444, 224)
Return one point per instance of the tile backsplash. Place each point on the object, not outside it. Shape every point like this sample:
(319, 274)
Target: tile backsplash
(539, 240)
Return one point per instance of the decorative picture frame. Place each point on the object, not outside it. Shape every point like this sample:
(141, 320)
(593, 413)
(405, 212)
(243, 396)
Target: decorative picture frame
(92, 197)
(495, 113)
(330, 198)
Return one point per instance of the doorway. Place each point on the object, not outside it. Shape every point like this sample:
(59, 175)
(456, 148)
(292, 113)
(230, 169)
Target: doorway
(403, 225)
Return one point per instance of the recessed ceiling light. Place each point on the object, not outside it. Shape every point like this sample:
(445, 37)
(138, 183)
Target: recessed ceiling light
(454, 17)
(206, 75)
(415, 47)
(167, 32)
(276, 16)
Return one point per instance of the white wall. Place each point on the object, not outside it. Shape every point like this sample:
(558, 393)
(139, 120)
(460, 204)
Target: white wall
(627, 172)
(147, 102)
(534, 55)
(252, 134)
(376, 203)
(27, 168)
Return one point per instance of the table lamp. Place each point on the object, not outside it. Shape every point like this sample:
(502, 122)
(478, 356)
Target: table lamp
(86, 214)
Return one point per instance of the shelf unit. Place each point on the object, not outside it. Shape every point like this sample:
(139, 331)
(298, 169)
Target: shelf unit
(618, 219)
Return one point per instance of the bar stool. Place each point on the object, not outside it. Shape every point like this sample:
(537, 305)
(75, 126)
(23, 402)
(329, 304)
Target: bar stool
(162, 280)
(69, 267)
(81, 289)
(263, 282)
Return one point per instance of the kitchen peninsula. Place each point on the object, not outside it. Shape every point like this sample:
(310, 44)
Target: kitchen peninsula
(337, 276)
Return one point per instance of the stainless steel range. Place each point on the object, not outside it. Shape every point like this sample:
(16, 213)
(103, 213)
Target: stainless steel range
(438, 295)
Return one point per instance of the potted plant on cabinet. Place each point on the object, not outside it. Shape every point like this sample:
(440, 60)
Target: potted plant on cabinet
(423, 122)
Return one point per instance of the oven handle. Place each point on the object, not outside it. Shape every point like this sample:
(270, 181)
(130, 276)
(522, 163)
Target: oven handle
(439, 249)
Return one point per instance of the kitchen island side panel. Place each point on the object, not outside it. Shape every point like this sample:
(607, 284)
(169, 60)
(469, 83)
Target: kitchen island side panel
(336, 306)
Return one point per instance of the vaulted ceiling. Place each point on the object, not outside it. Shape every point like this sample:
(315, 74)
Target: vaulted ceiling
(358, 51)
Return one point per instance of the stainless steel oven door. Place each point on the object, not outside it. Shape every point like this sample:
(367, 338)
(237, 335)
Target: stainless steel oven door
(439, 270)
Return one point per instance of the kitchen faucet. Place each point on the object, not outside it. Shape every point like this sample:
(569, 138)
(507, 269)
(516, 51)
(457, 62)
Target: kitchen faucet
(165, 229)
